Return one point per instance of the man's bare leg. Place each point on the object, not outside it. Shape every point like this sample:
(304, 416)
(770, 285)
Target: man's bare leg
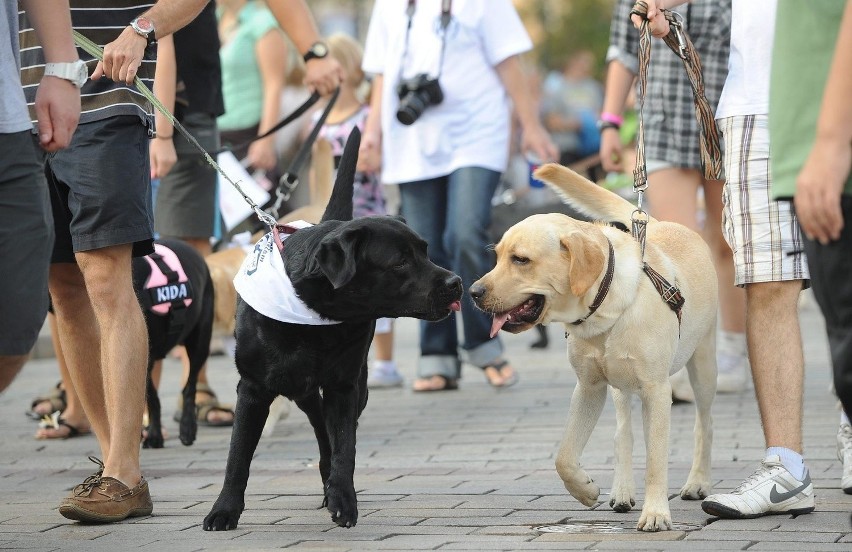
(80, 336)
(777, 362)
(124, 354)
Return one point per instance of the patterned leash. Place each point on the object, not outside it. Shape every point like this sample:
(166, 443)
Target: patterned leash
(94, 50)
(711, 152)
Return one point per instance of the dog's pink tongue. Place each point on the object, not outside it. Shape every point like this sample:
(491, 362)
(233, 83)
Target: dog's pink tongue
(456, 306)
(497, 323)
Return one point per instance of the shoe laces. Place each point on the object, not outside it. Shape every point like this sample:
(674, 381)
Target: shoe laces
(92, 481)
(759, 474)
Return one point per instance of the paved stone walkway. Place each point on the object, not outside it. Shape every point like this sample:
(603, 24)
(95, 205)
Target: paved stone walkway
(466, 470)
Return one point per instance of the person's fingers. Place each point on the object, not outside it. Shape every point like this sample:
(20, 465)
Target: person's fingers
(99, 71)
(45, 125)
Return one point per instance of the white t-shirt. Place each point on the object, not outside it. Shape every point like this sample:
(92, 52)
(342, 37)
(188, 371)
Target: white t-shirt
(746, 90)
(263, 283)
(471, 126)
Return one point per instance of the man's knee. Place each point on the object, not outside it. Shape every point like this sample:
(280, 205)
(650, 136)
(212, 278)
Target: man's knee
(107, 274)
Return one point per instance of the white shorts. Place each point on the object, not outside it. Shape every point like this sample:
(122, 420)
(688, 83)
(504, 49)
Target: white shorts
(762, 232)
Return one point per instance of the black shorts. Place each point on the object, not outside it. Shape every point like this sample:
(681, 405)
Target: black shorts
(100, 189)
(26, 242)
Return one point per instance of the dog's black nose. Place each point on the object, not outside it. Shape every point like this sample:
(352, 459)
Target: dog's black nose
(454, 283)
(477, 291)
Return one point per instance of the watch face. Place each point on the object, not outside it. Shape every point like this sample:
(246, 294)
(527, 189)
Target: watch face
(144, 24)
(319, 49)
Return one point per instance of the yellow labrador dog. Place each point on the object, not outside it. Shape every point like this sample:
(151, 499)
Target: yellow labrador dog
(553, 268)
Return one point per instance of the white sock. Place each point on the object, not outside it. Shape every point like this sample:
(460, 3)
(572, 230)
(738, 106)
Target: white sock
(732, 343)
(386, 366)
(791, 459)
(844, 419)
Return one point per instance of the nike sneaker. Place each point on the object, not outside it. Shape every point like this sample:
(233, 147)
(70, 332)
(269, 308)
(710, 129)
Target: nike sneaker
(769, 490)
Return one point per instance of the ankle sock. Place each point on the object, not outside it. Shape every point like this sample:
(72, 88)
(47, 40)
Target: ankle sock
(791, 460)
(384, 366)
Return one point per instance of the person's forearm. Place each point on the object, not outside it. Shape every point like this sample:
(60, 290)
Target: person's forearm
(835, 119)
(51, 20)
(165, 82)
(619, 80)
(169, 16)
(374, 120)
(517, 86)
(298, 22)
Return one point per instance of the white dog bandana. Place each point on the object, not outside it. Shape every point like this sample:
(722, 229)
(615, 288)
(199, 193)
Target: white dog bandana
(263, 283)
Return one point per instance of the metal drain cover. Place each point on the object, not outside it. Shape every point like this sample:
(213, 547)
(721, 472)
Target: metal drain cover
(605, 527)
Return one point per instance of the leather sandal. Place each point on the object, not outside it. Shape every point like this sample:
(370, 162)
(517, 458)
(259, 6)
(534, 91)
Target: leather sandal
(494, 373)
(435, 383)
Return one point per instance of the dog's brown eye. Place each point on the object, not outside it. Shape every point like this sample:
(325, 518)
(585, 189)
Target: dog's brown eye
(520, 260)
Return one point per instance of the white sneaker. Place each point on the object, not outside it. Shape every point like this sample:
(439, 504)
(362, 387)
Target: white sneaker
(770, 490)
(733, 372)
(844, 454)
(384, 375)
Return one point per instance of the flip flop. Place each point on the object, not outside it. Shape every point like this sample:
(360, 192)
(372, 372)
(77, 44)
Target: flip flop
(435, 383)
(505, 381)
(56, 398)
(55, 422)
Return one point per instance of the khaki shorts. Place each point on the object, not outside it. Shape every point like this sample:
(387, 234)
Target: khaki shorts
(762, 232)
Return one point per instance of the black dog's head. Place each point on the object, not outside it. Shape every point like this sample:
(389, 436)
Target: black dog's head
(369, 268)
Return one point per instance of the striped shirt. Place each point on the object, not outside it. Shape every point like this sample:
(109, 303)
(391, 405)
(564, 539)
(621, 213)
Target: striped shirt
(101, 21)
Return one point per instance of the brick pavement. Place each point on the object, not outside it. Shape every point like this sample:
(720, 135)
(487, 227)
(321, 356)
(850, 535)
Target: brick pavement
(464, 470)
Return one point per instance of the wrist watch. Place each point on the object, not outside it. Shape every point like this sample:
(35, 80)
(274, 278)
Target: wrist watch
(144, 27)
(318, 51)
(76, 72)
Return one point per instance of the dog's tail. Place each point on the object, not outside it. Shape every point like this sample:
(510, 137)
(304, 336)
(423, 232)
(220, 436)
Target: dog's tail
(585, 196)
(340, 204)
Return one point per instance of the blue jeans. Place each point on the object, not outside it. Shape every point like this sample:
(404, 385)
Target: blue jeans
(453, 213)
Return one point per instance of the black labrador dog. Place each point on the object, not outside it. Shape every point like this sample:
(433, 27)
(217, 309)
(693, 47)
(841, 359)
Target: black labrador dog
(176, 292)
(350, 271)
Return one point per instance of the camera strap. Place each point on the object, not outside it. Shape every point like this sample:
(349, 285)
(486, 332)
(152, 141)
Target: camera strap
(446, 17)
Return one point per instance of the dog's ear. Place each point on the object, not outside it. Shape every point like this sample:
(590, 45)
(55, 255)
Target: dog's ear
(586, 260)
(336, 257)
(400, 218)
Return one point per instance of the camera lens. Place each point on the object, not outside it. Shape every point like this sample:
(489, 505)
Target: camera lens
(410, 109)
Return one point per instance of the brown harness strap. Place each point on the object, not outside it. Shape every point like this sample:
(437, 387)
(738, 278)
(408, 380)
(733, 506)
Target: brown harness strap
(670, 293)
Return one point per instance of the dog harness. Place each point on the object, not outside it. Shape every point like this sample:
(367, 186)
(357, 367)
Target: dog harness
(167, 290)
(263, 283)
(167, 287)
(670, 293)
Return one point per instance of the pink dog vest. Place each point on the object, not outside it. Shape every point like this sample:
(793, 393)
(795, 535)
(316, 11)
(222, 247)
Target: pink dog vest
(167, 284)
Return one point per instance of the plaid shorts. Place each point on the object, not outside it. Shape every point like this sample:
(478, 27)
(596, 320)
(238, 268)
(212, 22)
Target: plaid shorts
(762, 232)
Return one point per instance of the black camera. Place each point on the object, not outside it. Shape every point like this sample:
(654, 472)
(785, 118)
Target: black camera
(415, 95)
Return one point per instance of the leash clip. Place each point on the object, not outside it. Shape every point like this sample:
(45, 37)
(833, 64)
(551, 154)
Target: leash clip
(639, 224)
(676, 23)
(286, 184)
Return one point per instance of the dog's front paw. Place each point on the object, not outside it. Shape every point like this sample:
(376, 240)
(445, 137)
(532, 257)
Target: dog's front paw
(586, 492)
(188, 425)
(621, 499)
(695, 490)
(224, 515)
(654, 519)
(343, 506)
(153, 438)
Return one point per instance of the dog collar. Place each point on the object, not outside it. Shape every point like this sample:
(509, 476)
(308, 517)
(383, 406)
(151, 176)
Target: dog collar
(604, 289)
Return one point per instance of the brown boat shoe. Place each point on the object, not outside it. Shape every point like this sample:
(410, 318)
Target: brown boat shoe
(106, 499)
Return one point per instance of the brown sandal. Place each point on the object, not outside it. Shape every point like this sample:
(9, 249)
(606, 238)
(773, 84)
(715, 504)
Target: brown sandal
(435, 383)
(495, 374)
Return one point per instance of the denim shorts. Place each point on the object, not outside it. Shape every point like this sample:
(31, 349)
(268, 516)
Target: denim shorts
(100, 189)
(26, 241)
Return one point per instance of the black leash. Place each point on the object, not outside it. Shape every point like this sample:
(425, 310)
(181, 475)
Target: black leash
(290, 179)
(298, 112)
